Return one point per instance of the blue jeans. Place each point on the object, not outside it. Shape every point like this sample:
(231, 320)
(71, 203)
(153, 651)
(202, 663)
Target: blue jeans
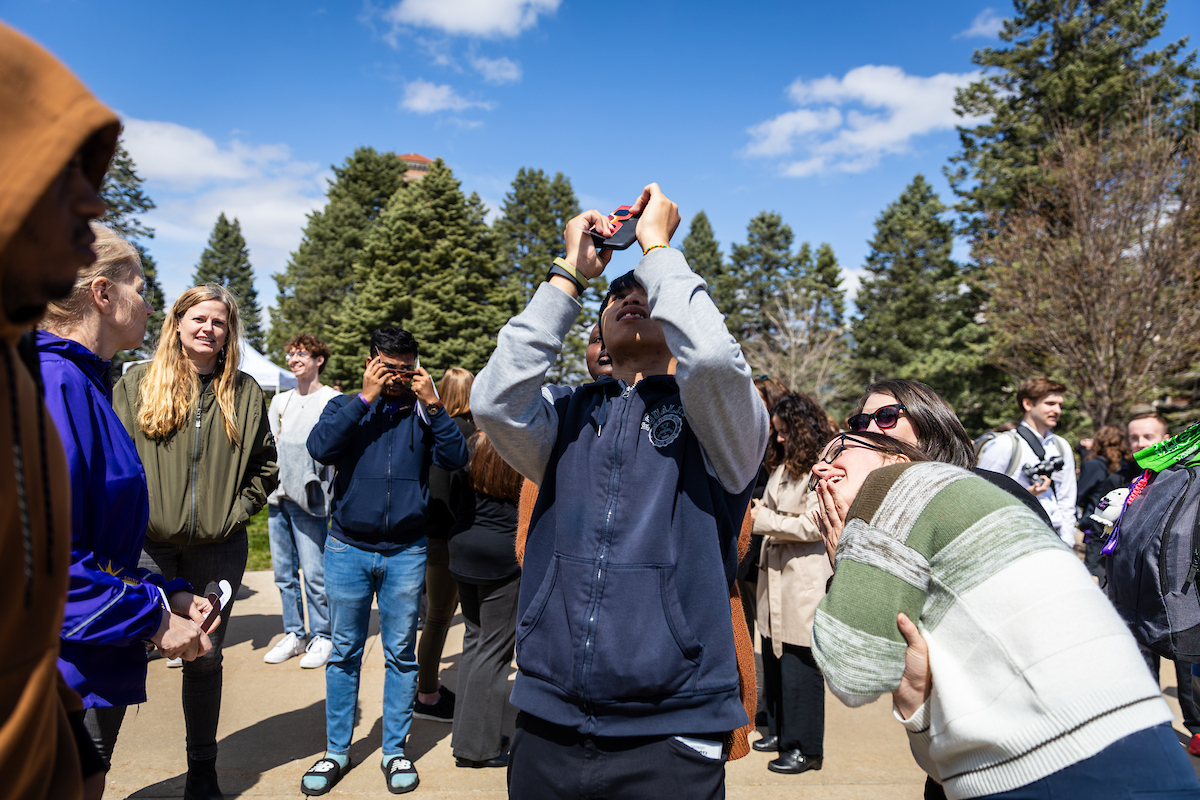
(354, 576)
(298, 544)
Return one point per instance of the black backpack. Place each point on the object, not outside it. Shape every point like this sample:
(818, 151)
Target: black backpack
(1152, 571)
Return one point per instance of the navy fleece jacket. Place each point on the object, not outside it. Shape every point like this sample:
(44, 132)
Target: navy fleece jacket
(382, 486)
(624, 625)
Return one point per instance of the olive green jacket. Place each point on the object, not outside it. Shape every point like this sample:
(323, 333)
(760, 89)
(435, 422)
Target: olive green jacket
(202, 489)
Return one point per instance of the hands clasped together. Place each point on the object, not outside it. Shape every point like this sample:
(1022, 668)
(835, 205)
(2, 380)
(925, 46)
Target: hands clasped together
(179, 634)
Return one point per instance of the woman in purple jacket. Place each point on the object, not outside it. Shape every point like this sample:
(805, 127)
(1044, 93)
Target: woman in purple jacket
(113, 607)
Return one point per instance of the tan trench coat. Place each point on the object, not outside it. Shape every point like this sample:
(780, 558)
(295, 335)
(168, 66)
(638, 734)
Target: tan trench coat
(793, 568)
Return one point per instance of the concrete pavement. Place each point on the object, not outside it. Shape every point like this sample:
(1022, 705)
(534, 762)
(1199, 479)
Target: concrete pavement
(273, 729)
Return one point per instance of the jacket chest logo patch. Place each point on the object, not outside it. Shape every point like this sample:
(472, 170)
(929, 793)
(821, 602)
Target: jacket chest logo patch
(663, 424)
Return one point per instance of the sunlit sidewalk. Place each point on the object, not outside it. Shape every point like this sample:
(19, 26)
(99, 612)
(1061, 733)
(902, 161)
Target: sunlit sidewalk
(273, 728)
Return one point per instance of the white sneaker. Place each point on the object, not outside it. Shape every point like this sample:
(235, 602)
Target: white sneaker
(290, 645)
(317, 653)
(174, 663)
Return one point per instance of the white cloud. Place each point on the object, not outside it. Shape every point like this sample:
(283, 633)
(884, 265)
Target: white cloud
(193, 178)
(423, 97)
(848, 124)
(497, 70)
(480, 18)
(987, 25)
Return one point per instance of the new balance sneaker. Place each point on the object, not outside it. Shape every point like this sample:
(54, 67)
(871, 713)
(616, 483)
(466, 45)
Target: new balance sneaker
(317, 653)
(441, 711)
(289, 646)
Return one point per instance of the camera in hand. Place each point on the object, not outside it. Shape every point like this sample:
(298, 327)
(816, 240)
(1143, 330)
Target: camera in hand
(1044, 468)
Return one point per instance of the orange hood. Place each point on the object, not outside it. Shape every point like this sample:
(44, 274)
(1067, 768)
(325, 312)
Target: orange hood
(46, 116)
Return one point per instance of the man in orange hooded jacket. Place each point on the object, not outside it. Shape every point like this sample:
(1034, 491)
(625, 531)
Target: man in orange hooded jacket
(56, 141)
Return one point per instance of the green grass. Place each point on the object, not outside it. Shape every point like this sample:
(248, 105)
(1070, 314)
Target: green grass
(260, 546)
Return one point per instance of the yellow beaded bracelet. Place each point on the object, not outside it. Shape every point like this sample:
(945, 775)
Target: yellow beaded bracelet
(652, 247)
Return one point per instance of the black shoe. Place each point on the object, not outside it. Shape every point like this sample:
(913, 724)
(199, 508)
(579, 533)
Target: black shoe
(441, 711)
(792, 762)
(201, 783)
(499, 761)
(767, 744)
(446, 693)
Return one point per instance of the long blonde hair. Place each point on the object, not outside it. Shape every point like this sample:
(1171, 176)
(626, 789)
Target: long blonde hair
(455, 391)
(116, 261)
(170, 389)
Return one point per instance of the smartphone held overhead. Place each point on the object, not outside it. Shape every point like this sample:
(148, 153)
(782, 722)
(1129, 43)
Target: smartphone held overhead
(624, 225)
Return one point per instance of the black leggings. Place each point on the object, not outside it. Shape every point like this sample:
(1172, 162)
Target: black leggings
(203, 566)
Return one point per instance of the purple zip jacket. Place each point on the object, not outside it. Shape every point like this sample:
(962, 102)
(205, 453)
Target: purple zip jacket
(113, 606)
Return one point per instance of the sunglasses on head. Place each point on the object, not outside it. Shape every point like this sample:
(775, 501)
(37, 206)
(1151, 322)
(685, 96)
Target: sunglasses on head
(835, 449)
(885, 417)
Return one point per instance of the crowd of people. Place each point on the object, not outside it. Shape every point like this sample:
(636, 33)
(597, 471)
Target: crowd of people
(622, 539)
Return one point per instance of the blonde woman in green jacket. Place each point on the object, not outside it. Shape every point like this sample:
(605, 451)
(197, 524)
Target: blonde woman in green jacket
(201, 430)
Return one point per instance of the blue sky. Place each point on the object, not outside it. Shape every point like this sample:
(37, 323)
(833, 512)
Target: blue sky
(822, 112)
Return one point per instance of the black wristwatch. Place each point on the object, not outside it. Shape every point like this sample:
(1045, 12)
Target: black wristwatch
(434, 409)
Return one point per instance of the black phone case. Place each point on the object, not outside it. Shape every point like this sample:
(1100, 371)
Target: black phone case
(620, 240)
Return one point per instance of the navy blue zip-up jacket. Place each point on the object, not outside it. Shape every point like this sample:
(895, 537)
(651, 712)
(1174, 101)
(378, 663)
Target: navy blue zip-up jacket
(382, 486)
(624, 624)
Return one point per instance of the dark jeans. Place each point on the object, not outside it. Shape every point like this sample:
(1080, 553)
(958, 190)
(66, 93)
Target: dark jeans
(1147, 764)
(103, 725)
(203, 566)
(794, 694)
(551, 762)
(1183, 684)
(490, 611)
(442, 591)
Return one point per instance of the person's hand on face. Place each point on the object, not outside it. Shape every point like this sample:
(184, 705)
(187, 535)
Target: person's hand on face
(376, 378)
(422, 387)
(659, 217)
(831, 515)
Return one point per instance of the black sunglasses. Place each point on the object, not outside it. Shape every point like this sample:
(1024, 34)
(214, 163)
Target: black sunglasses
(885, 417)
(835, 449)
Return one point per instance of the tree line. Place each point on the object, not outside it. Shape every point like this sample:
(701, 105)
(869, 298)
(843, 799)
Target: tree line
(1078, 197)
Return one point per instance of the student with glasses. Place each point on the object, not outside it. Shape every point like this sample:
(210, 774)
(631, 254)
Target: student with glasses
(941, 598)
(917, 415)
(298, 511)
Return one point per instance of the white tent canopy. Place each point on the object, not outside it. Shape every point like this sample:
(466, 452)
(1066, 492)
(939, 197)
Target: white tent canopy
(270, 377)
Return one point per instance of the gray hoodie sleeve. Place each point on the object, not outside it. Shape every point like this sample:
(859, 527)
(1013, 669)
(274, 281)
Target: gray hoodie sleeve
(715, 383)
(507, 401)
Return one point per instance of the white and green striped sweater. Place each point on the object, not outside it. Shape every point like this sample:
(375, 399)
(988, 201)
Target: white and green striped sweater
(1032, 668)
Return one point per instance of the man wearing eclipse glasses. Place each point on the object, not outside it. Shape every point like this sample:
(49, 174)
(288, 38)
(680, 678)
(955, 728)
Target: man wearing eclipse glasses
(382, 441)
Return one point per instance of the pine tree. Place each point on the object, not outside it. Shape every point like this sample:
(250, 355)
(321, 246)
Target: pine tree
(123, 195)
(429, 266)
(226, 261)
(317, 280)
(529, 236)
(1070, 62)
(917, 315)
(759, 271)
(703, 254)
(825, 284)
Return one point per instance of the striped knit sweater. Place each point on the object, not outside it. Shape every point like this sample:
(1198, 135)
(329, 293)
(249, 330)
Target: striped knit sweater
(1032, 668)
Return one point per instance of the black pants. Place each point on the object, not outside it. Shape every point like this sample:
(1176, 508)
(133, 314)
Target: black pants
(203, 566)
(103, 725)
(490, 612)
(1183, 683)
(442, 591)
(550, 762)
(794, 694)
